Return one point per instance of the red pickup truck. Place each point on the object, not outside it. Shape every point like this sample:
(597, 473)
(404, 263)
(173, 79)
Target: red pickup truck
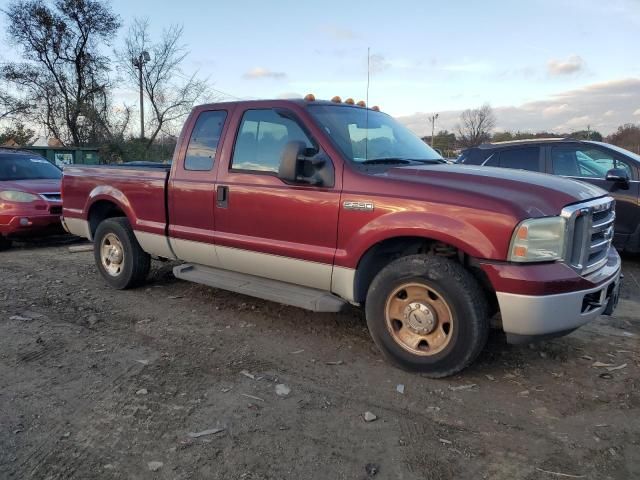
(320, 204)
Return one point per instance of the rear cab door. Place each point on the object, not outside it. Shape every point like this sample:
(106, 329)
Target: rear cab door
(264, 226)
(192, 186)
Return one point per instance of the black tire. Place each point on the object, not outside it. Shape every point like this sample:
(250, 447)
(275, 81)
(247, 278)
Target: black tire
(136, 262)
(461, 292)
(5, 243)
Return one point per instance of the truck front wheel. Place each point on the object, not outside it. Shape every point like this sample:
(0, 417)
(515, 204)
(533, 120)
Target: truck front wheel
(428, 314)
(119, 257)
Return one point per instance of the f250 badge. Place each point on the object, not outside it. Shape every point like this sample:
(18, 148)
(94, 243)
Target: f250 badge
(360, 206)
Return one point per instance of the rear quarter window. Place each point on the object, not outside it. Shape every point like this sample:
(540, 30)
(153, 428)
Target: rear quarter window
(205, 137)
(527, 158)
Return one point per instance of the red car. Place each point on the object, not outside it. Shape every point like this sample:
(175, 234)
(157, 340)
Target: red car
(30, 202)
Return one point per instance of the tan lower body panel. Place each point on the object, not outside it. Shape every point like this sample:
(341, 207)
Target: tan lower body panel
(285, 269)
(195, 252)
(343, 282)
(154, 244)
(77, 226)
(338, 280)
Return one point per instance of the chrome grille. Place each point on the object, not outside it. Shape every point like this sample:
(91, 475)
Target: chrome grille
(589, 233)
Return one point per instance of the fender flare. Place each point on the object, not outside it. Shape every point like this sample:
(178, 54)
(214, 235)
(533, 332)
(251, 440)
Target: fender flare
(433, 226)
(112, 195)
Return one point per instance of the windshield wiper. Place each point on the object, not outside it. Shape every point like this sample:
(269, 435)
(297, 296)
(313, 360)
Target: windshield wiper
(433, 160)
(387, 160)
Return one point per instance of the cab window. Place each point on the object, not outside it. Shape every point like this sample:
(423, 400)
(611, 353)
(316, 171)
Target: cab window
(204, 141)
(261, 140)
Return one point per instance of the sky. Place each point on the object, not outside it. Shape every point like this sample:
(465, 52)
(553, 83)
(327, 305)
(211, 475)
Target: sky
(542, 65)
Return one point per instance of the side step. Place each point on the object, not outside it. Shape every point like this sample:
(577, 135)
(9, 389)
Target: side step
(273, 290)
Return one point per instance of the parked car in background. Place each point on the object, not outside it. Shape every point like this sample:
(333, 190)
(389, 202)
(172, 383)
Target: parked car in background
(611, 168)
(285, 200)
(30, 202)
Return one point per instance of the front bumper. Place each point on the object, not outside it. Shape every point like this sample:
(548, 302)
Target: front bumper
(526, 316)
(29, 225)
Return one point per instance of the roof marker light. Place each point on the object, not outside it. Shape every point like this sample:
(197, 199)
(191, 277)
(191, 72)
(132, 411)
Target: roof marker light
(310, 97)
(375, 108)
(349, 101)
(336, 99)
(361, 103)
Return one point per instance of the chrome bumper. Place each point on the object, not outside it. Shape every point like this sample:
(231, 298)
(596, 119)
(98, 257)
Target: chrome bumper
(545, 315)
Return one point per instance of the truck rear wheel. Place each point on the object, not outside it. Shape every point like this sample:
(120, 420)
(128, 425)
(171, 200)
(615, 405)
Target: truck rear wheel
(427, 314)
(119, 257)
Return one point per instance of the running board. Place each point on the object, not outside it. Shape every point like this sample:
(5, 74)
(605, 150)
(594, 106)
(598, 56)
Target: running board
(273, 290)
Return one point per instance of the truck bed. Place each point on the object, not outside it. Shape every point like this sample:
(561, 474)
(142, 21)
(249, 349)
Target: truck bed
(139, 190)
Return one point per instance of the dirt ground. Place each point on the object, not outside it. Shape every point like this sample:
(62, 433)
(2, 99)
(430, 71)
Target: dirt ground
(96, 383)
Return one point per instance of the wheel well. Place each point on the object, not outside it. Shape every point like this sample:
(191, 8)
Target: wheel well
(383, 253)
(101, 210)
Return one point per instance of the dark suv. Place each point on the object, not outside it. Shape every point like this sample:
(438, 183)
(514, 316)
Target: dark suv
(612, 168)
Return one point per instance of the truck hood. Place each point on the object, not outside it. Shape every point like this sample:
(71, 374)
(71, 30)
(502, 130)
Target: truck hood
(43, 185)
(534, 194)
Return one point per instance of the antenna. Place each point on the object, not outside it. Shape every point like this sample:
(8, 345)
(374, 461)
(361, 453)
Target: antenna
(368, 72)
(366, 121)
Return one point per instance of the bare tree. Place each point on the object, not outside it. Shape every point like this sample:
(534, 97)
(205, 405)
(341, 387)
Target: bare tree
(11, 106)
(63, 70)
(476, 125)
(627, 136)
(170, 93)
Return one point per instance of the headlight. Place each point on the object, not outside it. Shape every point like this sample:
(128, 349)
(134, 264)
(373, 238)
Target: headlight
(538, 240)
(17, 196)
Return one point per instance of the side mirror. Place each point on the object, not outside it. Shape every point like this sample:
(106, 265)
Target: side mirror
(618, 176)
(303, 165)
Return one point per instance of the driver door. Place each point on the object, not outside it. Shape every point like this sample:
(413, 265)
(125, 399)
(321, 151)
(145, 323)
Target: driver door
(264, 226)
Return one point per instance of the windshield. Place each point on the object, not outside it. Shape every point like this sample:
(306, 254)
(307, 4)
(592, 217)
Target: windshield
(367, 136)
(27, 167)
(621, 150)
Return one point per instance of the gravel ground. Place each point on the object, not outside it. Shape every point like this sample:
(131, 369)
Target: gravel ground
(176, 380)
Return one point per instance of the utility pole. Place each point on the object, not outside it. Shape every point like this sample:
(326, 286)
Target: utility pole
(138, 63)
(433, 119)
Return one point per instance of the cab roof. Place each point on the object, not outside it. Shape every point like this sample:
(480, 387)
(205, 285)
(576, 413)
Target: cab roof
(281, 101)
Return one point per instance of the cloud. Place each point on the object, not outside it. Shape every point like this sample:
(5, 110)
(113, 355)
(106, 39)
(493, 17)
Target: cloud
(602, 106)
(260, 72)
(338, 32)
(287, 95)
(378, 63)
(467, 67)
(571, 65)
(554, 110)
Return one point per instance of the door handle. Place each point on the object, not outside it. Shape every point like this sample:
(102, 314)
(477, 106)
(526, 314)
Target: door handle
(222, 196)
